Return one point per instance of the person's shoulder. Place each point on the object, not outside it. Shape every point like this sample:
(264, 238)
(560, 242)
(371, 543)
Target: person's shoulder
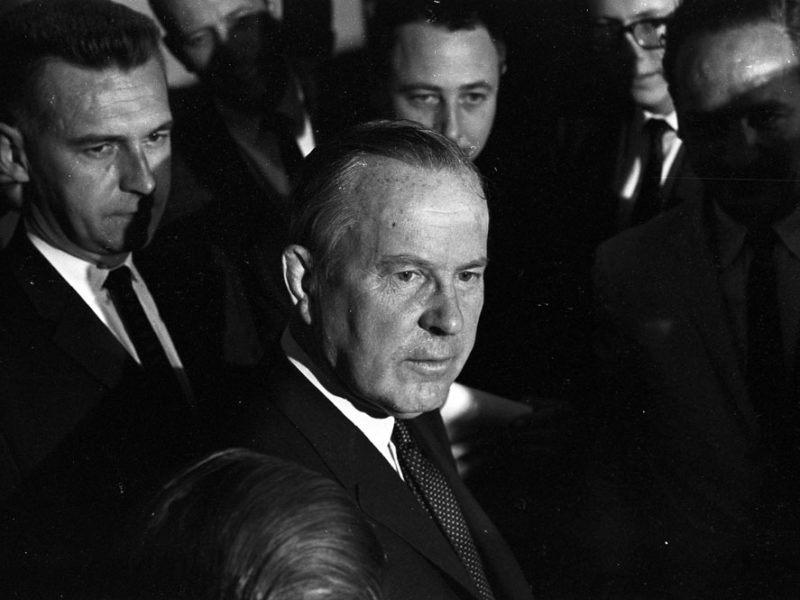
(651, 239)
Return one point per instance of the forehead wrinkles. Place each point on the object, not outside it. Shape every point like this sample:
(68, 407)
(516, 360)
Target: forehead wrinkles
(382, 179)
(78, 97)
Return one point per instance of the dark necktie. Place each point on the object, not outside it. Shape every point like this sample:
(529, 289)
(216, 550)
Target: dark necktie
(649, 200)
(291, 155)
(278, 132)
(137, 325)
(766, 373)
(434, 493)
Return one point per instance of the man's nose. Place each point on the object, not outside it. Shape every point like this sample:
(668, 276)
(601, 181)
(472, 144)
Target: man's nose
(632, 47)
(450, 123)
(443, 315)
(136, 176)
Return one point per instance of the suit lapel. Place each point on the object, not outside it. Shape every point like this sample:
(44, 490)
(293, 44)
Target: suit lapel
(681, 184)
(76, 329)
(500, 566)
(696, 270)
(361, 469)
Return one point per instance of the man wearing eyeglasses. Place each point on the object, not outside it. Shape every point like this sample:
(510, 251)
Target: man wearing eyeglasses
(625, 153)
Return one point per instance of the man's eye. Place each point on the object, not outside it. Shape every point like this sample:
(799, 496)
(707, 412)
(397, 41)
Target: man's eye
(99, 150)
(473, 98)
(198, 39)
(423, 99)
(158, 138)
(245, 21)
(764, 119)
(469, 276)
(406, 276)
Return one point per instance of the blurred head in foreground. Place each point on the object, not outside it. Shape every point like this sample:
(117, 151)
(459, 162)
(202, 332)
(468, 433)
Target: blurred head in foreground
(244, 526)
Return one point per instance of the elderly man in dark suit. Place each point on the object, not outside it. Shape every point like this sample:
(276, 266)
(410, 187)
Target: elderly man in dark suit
(385, 272)
(703, 322)
(105, 351)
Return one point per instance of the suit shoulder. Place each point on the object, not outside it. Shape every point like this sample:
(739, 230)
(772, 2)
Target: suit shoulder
(650, 240)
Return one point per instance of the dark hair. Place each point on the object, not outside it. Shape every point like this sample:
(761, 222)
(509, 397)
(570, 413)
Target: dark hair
(240, 525)
(324, 208)
(95, 34)
(695, 17)
(453, 15)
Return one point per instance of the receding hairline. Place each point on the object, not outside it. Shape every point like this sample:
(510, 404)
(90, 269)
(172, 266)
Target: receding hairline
(374, 163)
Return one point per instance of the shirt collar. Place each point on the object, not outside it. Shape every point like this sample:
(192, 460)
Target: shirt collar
(643, 116)
(378, 430)
(77, 271)
(731, 234)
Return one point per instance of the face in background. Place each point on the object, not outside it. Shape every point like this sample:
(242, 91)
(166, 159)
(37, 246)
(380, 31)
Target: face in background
(396, 319)
(235, 47)
(446, 80)
(636, 70)
(738, 99)
(97, 158)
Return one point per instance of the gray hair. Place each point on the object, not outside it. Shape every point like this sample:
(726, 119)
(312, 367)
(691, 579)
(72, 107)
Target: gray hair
(323, 205)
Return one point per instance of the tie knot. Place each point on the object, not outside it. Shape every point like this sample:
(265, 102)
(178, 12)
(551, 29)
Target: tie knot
(118, 279)
(401, 436)
(656, 128)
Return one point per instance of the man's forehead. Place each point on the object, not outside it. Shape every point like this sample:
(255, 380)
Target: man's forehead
(377, 175)
(190, 15)
(81, 96)
(630, 10)
(720, 67)
(422, 46)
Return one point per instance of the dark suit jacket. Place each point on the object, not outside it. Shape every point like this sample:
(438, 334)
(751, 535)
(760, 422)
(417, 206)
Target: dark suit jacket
(83, 432)
(216, 198)
(285, 415)
(588, 149)
(681, 415)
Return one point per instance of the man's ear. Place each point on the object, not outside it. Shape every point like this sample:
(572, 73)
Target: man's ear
(297, 265)
(13, 161)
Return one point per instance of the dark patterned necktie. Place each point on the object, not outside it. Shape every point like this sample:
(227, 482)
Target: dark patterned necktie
(137, 325)
(649, 200)
(434, 493)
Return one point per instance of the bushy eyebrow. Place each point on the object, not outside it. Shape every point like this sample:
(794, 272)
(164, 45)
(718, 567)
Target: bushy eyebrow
(394, 260)
(474, 85)
(96, 138)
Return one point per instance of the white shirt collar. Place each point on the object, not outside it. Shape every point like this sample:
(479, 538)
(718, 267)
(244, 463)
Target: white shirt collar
(671, 119)
(378, 430)
(84, 277)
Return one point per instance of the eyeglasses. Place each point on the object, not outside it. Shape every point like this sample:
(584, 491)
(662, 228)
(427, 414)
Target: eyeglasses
(649, 34)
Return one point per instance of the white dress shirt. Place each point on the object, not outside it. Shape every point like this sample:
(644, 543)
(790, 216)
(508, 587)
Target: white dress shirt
(378, 430)
(633, 151)
(87, 280)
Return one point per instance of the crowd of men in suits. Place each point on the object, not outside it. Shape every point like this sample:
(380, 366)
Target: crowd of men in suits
(254, 261)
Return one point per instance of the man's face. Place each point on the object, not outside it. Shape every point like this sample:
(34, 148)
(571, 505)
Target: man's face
(447, 81)
(634, 68)
(397, 319)
(233, 46)
(98, 154)
(738, 99)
